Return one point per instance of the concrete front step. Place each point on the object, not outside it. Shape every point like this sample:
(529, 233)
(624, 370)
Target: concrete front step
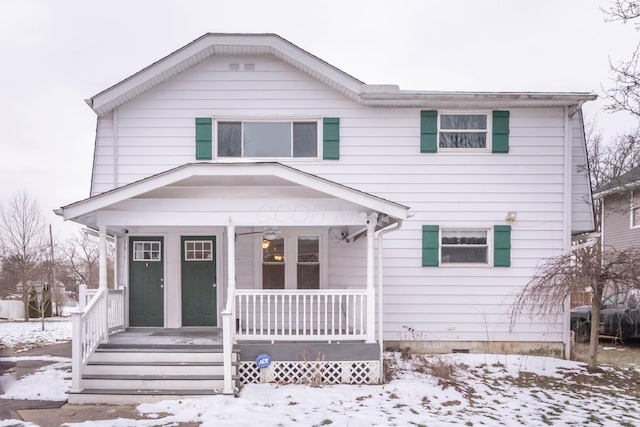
(158, 368)
(144, 357)
(132, 397)
(148, 383)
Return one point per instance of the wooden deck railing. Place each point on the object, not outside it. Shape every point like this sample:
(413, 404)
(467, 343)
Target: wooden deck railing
(309, 315)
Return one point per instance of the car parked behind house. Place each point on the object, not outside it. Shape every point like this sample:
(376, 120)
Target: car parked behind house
(619, 317)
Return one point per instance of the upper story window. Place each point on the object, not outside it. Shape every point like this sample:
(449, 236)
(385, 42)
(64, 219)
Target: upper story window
(463, 131)
(267, 139)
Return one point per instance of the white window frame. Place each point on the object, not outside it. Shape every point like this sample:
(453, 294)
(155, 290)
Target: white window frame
(290, 237)
(152, 242)
(289, 120)
(489, 130)
(633, 208)
(186, 251)
(488, 230)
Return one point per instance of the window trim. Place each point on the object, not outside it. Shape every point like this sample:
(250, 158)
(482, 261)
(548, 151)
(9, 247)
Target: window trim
(290, 120)
(152, 242)
(489, 130)
(634, 205)
(290, 236)
(475, 227)
(186, 251)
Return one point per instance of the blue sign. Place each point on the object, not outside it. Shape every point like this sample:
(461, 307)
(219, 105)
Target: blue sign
(263, 360)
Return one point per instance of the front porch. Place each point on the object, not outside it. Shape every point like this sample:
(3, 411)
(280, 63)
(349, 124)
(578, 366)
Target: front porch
(264, 252)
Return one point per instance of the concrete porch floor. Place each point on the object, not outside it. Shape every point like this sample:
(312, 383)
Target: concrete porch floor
(201, 336)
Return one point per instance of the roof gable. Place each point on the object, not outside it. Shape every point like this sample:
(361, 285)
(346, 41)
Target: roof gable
(271, 44)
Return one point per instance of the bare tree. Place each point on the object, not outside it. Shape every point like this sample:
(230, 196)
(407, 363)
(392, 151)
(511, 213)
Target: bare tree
(558, 277)
(82, 255)
(23, 238)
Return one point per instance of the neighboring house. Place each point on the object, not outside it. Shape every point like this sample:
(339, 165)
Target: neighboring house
(250, 185)
(620, 211)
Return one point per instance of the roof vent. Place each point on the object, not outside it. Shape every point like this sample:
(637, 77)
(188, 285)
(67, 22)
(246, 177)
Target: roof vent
(234, 67)
(249, 67)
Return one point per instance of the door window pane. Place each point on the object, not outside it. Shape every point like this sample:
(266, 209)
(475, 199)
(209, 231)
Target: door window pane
(146, 251)
(198, 250)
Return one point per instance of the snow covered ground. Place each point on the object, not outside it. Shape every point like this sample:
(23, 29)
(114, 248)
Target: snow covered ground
(21, 336)
(435, 390)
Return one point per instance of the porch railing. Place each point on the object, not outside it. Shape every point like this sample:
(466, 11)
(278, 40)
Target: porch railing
(88, 329)
(287, 315)
(115, 307)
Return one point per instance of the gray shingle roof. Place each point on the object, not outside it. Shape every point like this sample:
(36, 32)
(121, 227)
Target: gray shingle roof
(624, 182)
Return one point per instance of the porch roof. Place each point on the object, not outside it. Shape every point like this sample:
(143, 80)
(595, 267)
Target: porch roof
(226, 178)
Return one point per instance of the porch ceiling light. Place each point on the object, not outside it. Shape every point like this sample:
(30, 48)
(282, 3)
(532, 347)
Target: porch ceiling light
(270, 234)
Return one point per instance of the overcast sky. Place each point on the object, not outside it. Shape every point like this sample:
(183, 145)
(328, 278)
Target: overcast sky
(57, 53)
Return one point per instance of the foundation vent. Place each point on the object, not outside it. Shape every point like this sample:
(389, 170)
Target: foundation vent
(234, 67)
(249, 67)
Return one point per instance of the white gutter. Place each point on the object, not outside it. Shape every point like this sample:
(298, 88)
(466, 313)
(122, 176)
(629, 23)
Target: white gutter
(379, 234)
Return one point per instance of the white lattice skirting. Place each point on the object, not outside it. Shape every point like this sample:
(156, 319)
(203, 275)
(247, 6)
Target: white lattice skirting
(352, 372)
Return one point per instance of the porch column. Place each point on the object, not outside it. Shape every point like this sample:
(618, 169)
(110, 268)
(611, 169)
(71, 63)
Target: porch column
(102, 278)
(228, 314)
(372, 219)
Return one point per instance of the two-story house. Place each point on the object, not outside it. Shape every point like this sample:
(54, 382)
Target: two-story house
(620, 211)
(276, 219)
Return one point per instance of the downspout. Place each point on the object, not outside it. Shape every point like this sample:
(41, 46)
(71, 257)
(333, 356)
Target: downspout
(566, 243)
(379, 235)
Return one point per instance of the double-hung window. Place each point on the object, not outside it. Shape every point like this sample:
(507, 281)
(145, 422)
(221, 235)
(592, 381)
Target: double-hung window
(466, 246)
(466, 131)
(292, 261)
(257, 139)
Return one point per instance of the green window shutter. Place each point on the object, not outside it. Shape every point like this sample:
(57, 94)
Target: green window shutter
(502, 246)
(428, 131)
(430, 245)
(331, 138)
(203, 138)
(500, 142)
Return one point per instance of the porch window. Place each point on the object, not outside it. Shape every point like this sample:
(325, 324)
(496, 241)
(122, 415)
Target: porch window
(464, 246)
(268, 139)
(146, 251)
(293, 260)
(273, 264)
(308, 268)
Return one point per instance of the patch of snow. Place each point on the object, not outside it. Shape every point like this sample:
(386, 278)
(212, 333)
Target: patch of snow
(20, 336)
(16, 423)
(477, 390)
(48, 383)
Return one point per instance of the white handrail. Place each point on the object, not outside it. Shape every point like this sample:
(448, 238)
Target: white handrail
(115, 307)
(87, 332)
(302, 315)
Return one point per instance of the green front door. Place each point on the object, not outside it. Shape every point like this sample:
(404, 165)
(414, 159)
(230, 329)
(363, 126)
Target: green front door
(146, 281)
(199, 281)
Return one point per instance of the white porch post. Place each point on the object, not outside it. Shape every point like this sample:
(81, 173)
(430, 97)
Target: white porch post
(102, 278)
(228, 315)
(372, 219)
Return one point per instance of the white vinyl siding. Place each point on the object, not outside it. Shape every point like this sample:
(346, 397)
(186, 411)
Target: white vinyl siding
(581, 204)
(379, 150)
